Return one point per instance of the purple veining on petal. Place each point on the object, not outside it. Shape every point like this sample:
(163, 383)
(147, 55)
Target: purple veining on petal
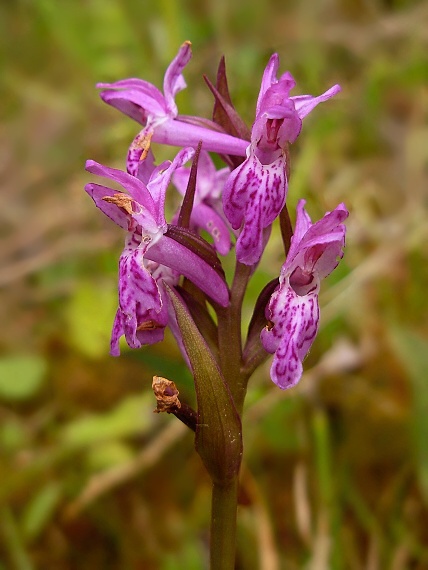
(140, 159)
(296, 340)
(141, 316)
(253, 197)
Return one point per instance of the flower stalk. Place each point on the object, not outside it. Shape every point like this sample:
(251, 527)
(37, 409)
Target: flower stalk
(223, 525)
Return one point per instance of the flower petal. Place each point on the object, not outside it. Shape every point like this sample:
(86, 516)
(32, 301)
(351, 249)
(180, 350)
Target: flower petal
(253, 197)
(175, 132)
(208, 219)
(140, 159)
(135, 188)
(325, 231)
(317, 248)
(330, 222)
(111, 210)
(138, 203)
(306, 103)
(116, 333)
(302, 225)
(290, 333)
(134, 97)
(142, 315)
(173, 80)
(161, 177)
(209, 181)
(175, 255)
(269, 77)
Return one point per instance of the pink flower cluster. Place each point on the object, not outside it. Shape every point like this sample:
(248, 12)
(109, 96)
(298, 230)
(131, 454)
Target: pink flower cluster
(235, 206)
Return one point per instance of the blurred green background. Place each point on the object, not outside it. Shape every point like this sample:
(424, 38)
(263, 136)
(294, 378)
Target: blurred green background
(336, 471)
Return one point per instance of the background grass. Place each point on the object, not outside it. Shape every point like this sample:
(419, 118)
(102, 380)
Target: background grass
(336, 471)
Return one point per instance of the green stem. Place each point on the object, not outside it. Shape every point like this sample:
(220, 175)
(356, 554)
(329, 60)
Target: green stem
(229, 336)
(225, 494)
(223, 525)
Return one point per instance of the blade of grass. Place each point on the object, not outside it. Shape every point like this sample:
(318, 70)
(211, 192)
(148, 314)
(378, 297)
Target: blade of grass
(412, 351)
(12, 540)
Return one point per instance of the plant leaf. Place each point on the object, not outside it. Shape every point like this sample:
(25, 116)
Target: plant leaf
(218, 431)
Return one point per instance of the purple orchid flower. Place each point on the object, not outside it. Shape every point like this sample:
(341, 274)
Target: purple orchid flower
(207, 213)
(158, 112)
(143, 313)
(255, 192)
(293, 310)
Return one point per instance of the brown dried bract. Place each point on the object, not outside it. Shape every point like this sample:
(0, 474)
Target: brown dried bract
(121, 200)
(149, 326)
(166, 394)
(142, 142)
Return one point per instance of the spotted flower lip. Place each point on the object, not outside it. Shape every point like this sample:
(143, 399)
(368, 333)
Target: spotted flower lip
(142, 314)
(158, 112)
(293, 310)
(256, 191)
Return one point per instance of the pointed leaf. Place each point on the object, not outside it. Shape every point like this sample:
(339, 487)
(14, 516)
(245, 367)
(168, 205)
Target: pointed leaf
(221, 81)
(286, 228)
(228, 118)
(218, 432)
(220, 113)
(202, 318)
(189, 197)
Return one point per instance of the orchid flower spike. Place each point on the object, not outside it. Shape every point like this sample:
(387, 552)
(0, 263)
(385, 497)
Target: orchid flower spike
(255, 192)
(293, 310)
